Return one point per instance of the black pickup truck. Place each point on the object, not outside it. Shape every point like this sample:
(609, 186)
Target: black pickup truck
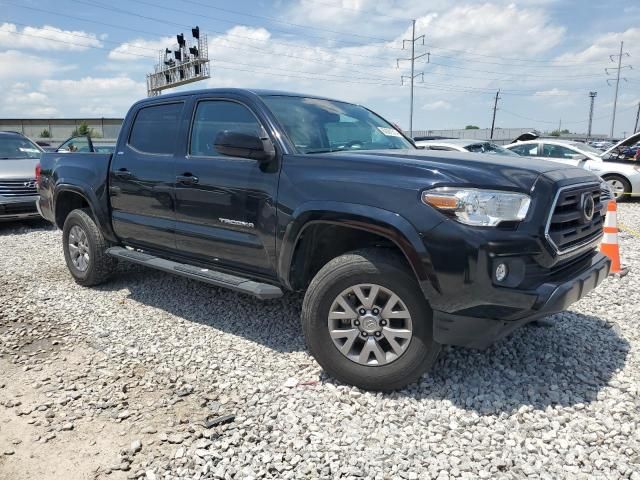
(399, 250)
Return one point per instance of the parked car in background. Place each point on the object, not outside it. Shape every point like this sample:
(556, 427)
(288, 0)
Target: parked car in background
(430, 137)
(623, 177)
(85, 144)
(601, 145)
(18, 159)
(399, 250)
(465, 145)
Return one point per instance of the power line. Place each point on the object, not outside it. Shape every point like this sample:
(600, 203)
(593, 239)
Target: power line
(73, 34)
(231, 22)
(387, 40)
(288, 45)
(498, 73)
(277, 20)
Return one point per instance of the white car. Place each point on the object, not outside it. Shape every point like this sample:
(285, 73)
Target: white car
(489, 148)
(622, 175)
(465, 145)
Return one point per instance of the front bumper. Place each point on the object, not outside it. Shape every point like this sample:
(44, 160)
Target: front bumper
(548, 298)
(17, 209)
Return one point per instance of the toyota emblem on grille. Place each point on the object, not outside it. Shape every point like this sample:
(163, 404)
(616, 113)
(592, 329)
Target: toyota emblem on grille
(30, 184)
(588, 207)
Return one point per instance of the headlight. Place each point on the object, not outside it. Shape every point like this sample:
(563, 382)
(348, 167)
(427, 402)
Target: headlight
(473, 206)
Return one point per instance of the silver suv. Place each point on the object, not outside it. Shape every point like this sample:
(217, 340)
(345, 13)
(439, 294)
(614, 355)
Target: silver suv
(18, 159)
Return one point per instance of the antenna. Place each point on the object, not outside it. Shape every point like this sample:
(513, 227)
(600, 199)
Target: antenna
(184, 63)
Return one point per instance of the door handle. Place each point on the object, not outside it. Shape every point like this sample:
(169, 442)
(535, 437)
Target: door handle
(123, 173)
(187, 179)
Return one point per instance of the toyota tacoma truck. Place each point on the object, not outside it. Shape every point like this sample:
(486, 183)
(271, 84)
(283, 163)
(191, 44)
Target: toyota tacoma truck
(399, 250)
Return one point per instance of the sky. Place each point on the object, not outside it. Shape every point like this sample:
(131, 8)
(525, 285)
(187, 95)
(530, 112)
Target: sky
(89, 58)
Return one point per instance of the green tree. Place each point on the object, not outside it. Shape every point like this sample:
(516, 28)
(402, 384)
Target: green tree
(557, 133)
(472, 127)
(45, 133)
(84, 129)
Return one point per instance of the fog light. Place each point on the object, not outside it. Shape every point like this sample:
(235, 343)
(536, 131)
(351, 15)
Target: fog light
(501, 272)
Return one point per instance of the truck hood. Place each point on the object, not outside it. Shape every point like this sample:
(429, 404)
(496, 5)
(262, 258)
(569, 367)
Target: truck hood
(458, 168)
(18, 168)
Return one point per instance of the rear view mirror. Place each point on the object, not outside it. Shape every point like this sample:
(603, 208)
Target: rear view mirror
(244, 145)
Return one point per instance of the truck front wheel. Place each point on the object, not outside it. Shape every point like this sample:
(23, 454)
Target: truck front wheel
(367, 322)
(85, 249)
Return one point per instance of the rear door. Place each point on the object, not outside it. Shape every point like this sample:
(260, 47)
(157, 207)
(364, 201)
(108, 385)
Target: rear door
(225, 206)
(142, 177)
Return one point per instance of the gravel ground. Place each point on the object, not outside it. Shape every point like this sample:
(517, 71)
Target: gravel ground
(154, 376)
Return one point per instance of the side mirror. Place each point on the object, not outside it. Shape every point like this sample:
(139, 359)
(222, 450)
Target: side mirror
(244, 145)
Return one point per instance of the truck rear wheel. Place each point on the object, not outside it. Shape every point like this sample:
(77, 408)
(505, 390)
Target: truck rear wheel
(367, 322)
(85, 249)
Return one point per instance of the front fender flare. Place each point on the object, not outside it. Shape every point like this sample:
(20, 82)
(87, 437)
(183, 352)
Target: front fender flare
(389, 225)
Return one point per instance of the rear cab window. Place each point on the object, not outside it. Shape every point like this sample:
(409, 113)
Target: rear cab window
(155, 128)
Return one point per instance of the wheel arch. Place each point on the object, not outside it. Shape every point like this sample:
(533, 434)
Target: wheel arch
(349, 225)
(69, 196)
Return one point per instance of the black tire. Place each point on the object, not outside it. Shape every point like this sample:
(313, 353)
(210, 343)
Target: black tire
(100, 265)
(625, 183)
(371, 266)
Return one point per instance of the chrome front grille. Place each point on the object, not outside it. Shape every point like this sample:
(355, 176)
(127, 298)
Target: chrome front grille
(569, 226)
(18, 188)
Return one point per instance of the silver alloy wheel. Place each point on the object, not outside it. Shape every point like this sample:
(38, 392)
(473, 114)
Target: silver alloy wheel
(617, 187)
(370, 325)
(79, 248)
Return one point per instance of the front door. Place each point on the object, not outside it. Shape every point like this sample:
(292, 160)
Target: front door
(142, 178)
(225, 206)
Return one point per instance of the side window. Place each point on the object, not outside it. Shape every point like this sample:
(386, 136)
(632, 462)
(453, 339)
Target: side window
(155, 129)
(215, 116)
(557, 151)
(529, 150)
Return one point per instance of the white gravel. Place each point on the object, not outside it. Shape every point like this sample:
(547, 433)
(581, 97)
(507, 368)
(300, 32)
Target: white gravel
(159, 360)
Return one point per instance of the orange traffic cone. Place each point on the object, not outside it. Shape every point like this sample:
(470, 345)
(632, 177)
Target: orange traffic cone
(609, 245)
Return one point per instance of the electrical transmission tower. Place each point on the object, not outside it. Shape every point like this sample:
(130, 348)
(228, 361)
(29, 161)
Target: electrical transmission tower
(413, 75)
(495, 109)
(593, 96)
(617, 69)
(635, 129)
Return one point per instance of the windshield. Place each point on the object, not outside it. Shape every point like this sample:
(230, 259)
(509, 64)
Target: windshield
(584, 147)
(491, 148)
(317, 126)
(12, 147)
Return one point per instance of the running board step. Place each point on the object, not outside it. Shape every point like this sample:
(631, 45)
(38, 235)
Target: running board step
(263, 291)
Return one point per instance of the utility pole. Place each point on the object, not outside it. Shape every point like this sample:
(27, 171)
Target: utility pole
(413, 75)
(618, 69)
(495, 108)
(635, 129)
(593, 96)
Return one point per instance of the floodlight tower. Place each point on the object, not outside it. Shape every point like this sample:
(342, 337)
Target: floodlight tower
(182, 64)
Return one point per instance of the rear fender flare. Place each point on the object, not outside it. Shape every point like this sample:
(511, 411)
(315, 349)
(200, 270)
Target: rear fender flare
(98, 213)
